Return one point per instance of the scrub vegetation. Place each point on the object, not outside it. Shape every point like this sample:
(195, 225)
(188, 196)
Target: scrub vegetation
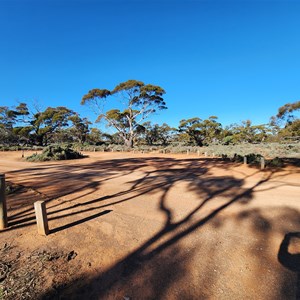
(22, 128)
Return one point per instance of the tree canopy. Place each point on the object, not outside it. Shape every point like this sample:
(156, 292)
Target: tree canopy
(200, 132)
(21, 125)
(286, 122)
(139, 100)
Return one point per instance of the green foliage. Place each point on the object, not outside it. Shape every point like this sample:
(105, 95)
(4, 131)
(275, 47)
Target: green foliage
(46, 123)
(95, 136)
(254, 158)
(200, 132)
(285, 111)
(245, 133)
(237, 158)
(190, 128)
(268, 150)
(275, 162)
(157, 134)
(9, 117)
(286, 123)
(80, 128)
(229, 139)
(139, 101)
(95, 94)
(19, 127)
(55, 153)
(290, 130)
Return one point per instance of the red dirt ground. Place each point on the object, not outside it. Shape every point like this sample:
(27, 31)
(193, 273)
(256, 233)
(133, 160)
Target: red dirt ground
(154, 226)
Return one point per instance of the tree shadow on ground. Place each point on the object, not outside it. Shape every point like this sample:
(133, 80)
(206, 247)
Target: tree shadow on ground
(150, 270)
(79, 221)
(155, 266)
(50, 182)
(162, 271)
(77, 181)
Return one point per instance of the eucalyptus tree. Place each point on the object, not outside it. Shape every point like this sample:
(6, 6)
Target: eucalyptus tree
(138, 101)
(80, 127)
(46, 123)
(287, 111)
(246, 132)
(190, 128)
(95, 136)
(200, 132)
(11, 122)
(286, 121)
(155, 134)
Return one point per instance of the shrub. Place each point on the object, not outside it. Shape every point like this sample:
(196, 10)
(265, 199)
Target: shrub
(253, 158)
(275, 162)
(224, 157)
(55, 153)
(237, 158)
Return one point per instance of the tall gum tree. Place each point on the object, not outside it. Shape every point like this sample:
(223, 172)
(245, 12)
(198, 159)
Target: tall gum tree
(287, 121)
(45, 123)
(200, 132)
(11, 121)
(139, 100)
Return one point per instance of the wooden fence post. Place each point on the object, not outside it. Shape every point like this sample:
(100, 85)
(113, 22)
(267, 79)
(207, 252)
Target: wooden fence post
(245, 160)
(41, 217)
(3, 209)
(262, 163)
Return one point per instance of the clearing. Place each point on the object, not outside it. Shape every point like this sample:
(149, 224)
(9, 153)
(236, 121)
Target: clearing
(150, 226)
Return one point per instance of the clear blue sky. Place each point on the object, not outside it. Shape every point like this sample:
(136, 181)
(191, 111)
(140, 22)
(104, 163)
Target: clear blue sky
(234, 59)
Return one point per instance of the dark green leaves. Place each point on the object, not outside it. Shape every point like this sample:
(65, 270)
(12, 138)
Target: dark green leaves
(139, 100)
(95, 94)
(130, 85)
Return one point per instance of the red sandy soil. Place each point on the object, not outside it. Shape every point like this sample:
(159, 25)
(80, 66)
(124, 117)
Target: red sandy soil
(155, 226)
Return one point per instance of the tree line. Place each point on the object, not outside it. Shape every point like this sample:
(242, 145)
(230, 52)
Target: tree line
(135, 102)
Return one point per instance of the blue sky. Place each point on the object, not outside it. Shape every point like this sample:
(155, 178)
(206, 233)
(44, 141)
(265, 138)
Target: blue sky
(234, 59)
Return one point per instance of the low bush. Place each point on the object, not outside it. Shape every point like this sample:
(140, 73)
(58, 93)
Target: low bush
(237, 158)
(55, 153)
(254, 158)
(276, 162)
(19, 148)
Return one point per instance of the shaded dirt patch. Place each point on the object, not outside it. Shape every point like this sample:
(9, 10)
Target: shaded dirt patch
(159, 227)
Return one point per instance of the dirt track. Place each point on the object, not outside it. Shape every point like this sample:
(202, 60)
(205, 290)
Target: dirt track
(160, 226)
